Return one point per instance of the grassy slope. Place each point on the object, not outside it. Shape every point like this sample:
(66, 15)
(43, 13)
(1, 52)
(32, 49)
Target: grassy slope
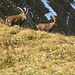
(29, 52)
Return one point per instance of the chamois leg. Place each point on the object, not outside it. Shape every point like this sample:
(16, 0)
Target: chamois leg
(47, 30)
(42, 29)
(20, 25)
(39, 29)
(9, 24)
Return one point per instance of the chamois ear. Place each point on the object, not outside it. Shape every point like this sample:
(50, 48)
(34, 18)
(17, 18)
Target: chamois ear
(20, 9)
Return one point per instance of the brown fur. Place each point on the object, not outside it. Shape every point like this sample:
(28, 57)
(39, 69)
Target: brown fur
(17, 19)
(47, 26)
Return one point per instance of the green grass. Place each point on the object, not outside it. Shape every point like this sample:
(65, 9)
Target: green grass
(29, 52)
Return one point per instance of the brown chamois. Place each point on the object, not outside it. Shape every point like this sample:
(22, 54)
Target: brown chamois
(17, 19)
(47, 26)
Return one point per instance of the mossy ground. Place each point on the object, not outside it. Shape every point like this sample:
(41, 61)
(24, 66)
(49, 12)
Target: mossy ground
(29, 52)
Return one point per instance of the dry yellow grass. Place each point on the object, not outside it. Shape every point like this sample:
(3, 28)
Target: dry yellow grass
(30, 52)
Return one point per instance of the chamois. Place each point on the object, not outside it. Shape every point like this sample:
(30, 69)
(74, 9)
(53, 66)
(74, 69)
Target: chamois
(47, 26)
(17, 19)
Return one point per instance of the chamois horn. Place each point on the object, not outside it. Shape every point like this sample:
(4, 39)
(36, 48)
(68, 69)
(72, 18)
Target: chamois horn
(26, 11)
(53, 18)
(20, 9)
